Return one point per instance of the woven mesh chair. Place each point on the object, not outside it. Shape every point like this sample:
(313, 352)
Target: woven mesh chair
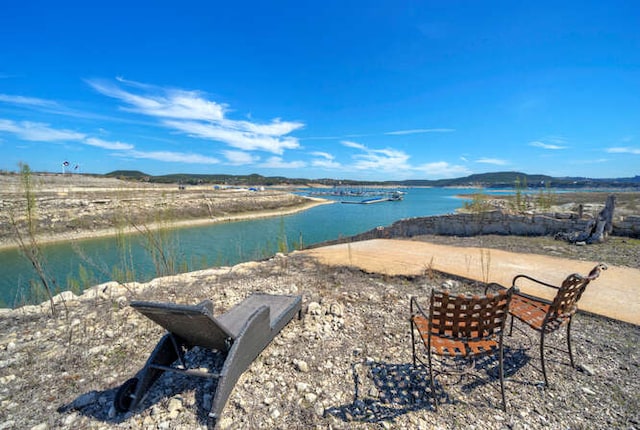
(461, 326)
(546, 317)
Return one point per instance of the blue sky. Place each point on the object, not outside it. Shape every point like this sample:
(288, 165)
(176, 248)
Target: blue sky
(372, 90)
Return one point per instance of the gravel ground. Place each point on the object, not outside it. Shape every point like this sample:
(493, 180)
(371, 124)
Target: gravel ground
(346, 364)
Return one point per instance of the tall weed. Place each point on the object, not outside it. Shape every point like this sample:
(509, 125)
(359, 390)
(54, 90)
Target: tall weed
(25, 235)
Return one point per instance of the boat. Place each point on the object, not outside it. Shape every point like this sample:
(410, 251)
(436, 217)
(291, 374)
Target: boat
(395, 196)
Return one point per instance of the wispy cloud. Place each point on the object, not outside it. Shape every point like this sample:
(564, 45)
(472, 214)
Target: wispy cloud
(173, 157)
(118, 146)
(495, 161)
(420, 130)
(387, 133)
(355, 145)
(192, 113)
(378, 159)
(279, 163)
(624, 150)
(162, 102)
(382, 159)
(326, 164)
(38, 132)
(543, 145)
(27, 101)
(396, 162)
(41, 132)
(325, 155)
(245, 141)
(326, 161)
(442, 169)
(239, 158)
(54, 107)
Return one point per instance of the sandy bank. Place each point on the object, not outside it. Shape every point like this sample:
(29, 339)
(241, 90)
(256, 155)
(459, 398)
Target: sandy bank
(107, 232)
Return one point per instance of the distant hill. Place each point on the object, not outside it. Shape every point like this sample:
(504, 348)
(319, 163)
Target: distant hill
(128, 174)
(486, 180)
(509, 179)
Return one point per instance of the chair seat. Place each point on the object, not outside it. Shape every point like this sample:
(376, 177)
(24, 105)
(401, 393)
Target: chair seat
(453, 347)
(533, 313)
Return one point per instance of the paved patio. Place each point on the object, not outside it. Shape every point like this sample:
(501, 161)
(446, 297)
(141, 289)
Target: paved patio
(615, 294)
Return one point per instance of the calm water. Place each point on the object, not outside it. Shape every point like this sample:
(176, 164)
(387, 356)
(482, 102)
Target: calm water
(216, 245)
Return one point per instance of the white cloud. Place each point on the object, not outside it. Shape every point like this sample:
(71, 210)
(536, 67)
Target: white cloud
(584, 162)
(28, 101)
(165, 103)
(279, 163)
(420, 130)
(325, 155)
(107, 145)
(276, 128)
(624, 150)
(190, 112)
(495, 161)
(238, 139)
(544, 145)
(382, 159)
(442, 169)
(173, 157)
(397, 162)
(355, 145)
(38, 132)
(238, 158)
(326, 164)
(326, 161)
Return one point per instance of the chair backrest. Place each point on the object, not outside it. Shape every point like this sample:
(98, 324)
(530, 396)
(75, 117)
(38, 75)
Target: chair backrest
(468, 317)
(194, 324)
(565, 303)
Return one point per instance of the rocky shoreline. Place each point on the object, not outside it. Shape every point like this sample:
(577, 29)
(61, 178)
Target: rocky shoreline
(346, 364)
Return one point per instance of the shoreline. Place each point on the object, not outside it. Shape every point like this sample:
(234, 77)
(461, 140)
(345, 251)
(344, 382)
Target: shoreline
(47, 239)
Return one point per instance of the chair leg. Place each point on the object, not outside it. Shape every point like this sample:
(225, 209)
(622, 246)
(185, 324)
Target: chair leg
(511, 326)
(413, 343)
(544, 372)
(569, 342)
(433, 386)
(501, 366)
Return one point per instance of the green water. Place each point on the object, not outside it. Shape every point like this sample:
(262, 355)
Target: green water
(89, 262)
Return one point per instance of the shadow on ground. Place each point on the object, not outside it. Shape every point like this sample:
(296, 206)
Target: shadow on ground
(384, 391)
(99, 404)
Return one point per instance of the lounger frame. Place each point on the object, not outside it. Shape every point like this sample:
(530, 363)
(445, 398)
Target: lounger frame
(240, 334)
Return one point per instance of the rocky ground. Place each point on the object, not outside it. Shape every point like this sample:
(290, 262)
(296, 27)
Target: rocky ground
(346, 364)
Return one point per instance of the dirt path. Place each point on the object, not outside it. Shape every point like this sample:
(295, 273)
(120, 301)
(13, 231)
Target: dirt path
(616, 294)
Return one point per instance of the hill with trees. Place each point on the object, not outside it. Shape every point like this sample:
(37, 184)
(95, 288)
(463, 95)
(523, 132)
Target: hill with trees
(485, 180)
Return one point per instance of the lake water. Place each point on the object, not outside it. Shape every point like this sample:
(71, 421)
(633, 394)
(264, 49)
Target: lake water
(93, 261)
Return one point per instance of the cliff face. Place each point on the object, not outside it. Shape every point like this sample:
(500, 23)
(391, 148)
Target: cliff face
(494, 222)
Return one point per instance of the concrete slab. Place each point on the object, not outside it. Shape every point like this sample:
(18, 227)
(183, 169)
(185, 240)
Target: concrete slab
(615, 294)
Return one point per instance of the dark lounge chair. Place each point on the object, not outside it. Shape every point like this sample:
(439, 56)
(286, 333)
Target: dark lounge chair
(241, 333)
